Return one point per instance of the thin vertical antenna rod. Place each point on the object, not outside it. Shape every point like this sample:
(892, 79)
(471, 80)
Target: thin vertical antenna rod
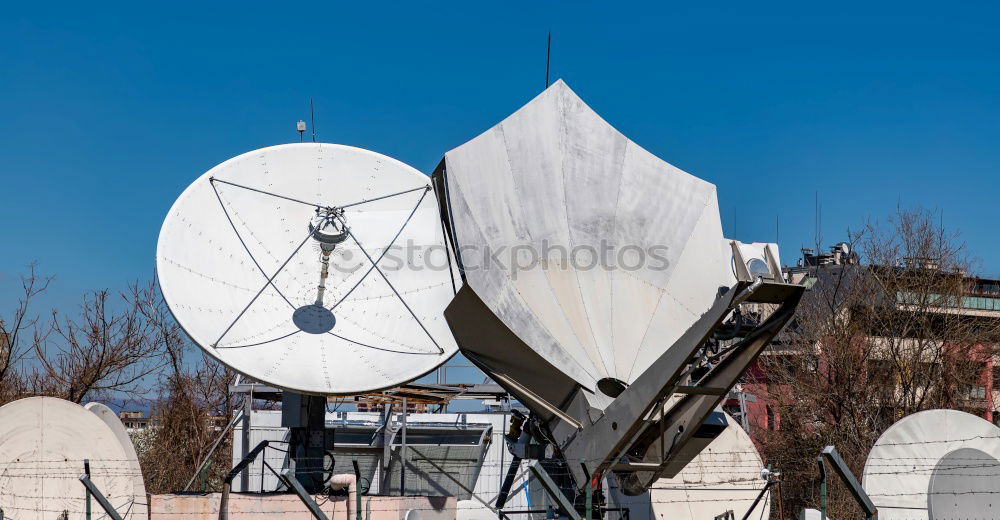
(816, 222)
(777, 229)
(548, 59)
(312, 119)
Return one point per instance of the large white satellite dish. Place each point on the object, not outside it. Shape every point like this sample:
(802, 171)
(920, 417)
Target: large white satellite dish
(594, 273)
(314, 267)
(43, 444)
(557, 180)
(935, 464)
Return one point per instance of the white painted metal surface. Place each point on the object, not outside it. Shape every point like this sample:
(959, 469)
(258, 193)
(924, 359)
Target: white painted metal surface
(608, 253)
(132, 458)
(241, 273)
(723, 477)
(43, 443)
(927, 465)
(754, 257)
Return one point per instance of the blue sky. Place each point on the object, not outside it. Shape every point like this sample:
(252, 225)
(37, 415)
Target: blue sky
(108, 112)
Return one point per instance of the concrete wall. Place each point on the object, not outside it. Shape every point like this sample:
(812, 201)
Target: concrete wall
(289, 507)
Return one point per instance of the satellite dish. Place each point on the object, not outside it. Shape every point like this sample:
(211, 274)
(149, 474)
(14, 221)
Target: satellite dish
(926, 465)
(592, 274)
(43, 444)
(131, 457)
(758, 258)
(317, 268)
(520, 186)
(725, 476)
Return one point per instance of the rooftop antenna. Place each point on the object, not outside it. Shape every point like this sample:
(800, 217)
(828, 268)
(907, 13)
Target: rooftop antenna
(301, 127)
(734, 220)
(312, 119)
(548, 59)
(817, 222)
(777, 229)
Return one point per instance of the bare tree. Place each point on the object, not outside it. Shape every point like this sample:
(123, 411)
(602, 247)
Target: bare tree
(191, 410)
(108, 349)
(188, 419)
(123, 346)
(870, 344)
(18, 335)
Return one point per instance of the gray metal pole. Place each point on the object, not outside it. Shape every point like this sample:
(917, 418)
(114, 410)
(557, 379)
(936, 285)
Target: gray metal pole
(822, 488)
(840, 468)
(357, 488)
(247, 410)
(744, 420)
(86, 471)
(224, 501)
(384, 481)
(301, 492)
(103, 502)
(215, 445)
(553, 490)
(402, 454)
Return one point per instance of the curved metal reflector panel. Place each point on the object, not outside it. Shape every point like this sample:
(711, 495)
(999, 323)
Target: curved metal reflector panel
(595, 252)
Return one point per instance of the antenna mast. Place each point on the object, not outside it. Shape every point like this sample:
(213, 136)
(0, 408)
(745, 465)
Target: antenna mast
(548, 59)
(312, 119)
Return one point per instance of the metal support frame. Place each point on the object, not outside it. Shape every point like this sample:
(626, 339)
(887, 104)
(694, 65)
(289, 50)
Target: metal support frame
(225, 431)
(296, 486)
(86, 471)
(767, 487)
(247, 412)
(387, 435)
(402, 452)
(227, 483)
(822, 488)
(589, 507)
(357, 487)
(553, 490)
(305, 417)
(624, 430)
(508, 481)
(103, 502)
(831, 455)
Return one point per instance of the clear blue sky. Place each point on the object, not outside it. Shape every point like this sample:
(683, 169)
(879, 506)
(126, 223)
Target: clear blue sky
(107, 113)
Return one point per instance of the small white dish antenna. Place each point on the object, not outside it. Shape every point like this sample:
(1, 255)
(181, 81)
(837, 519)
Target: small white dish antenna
(314, 267)
(131, 457)
(43, 444)
(935, 464)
